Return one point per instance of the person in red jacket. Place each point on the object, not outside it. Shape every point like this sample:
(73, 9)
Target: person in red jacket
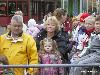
(68, 25)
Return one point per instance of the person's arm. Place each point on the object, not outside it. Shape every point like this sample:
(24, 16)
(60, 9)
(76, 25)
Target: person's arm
(63, 43)
(32, 53)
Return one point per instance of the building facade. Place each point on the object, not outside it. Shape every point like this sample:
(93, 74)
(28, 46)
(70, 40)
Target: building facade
(31, 9)
(39, 8)
(74, 7)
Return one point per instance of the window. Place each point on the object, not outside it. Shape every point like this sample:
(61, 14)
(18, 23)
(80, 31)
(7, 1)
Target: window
(23, 6)
(3, 8)
(11, 8)
(89, 6)
(92, 6)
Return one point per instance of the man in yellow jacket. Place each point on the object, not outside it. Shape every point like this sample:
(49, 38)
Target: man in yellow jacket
(20, 48)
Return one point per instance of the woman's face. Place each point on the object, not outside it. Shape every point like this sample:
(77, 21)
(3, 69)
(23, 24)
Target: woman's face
(51, 27)
(97, 26)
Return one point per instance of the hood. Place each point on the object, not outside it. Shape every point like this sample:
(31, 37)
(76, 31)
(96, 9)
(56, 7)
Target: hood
(31, 22)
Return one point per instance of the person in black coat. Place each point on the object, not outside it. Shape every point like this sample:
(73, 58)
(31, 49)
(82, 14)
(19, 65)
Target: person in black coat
(53, 30)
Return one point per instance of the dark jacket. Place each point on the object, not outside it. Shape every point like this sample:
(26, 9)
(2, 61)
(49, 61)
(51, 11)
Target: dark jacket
(62, 40)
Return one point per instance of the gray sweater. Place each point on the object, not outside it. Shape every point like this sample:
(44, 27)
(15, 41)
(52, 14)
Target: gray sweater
(94, 44)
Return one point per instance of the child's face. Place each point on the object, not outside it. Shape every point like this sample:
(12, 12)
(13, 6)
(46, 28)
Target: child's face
(97, 26)
(47, 47)
(89, 25)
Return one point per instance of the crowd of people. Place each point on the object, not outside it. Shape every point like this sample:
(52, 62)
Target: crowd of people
(58, 40)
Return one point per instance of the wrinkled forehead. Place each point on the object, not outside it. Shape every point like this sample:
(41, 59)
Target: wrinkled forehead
(14, 22)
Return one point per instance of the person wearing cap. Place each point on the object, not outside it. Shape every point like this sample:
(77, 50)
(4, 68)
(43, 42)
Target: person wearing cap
(76, 25)
(78, 33)
(80, 30)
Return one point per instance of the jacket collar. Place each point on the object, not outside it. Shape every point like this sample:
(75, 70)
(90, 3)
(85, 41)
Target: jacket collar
(14, 40)
(9, 33)
(96, 33)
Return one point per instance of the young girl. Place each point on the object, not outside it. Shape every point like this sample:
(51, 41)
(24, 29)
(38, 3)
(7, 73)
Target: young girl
(48, 54)
(4, 61)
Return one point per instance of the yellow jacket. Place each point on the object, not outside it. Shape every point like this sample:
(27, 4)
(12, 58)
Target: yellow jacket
(20, 51)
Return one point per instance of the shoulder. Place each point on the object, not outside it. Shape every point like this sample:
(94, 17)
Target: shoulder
(62, 35)
(41, 53)
(24, 25)
(42, 33)
(3, 36)
(28, 39)
(26, 36)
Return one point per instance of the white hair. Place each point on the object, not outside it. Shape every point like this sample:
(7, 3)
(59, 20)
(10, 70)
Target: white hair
(18, 18)
(90, 19)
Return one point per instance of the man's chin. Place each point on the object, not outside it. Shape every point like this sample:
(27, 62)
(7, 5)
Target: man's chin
(18, 33)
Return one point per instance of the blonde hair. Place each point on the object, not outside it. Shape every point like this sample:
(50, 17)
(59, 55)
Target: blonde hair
(90, 19)
(50, 41)
(54, 20)
(78, 17)
(74, 19)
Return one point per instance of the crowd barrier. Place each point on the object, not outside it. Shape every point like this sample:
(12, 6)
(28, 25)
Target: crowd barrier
(89, 69)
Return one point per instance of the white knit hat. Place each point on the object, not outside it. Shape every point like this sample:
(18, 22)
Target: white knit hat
(31, 22)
